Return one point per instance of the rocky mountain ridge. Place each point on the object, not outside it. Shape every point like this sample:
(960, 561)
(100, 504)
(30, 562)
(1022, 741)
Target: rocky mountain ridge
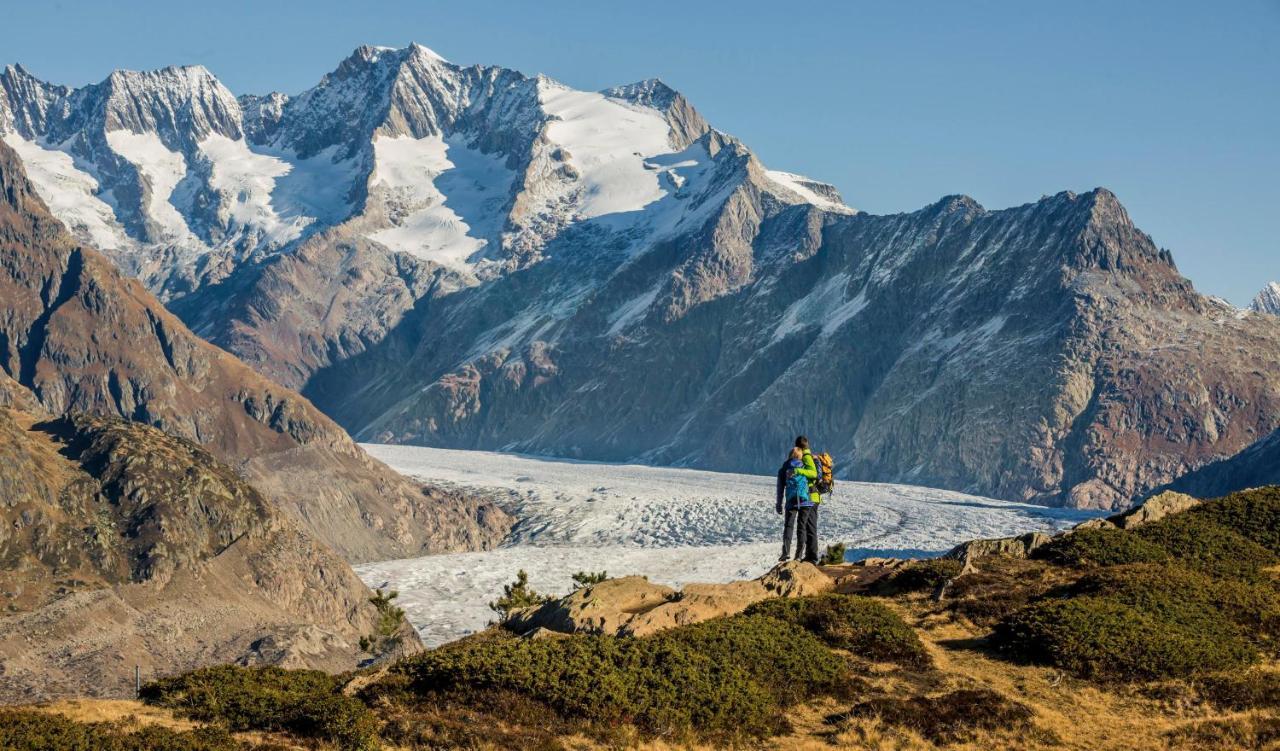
(485, 259)
(82, 338)
(1268, 300)
(125, 546)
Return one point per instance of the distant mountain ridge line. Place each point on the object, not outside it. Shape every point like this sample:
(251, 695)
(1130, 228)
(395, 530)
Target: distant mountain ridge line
(475, 258)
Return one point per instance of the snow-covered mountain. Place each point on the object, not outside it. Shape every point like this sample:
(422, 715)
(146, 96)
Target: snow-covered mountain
(466, 256)
(469, 169)
(1268, 300)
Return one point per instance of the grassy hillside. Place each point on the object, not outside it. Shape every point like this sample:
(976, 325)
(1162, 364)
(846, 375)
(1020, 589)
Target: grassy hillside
(1158, 636)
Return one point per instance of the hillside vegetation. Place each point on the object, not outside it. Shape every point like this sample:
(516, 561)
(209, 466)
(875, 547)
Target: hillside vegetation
(1157, 635)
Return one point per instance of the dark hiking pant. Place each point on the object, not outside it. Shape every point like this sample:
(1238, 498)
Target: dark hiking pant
(803, 524)
(808, 550)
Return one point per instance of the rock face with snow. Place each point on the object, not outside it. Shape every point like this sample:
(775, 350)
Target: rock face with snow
(79, 337)
(466, 256)
(1268, 300)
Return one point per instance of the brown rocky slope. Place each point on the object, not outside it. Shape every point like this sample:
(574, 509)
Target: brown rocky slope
(83, 338)
(123, 546)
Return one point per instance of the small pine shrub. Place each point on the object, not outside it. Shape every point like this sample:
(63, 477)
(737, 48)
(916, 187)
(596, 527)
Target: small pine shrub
(833, 555)
(1188, 597)
(1254, 514)
(919, 576)
(26, 730)
(389, 630)
(860, 625)
(953, 717)
(1101, 547)
(515, 596)
(726, 678)
(1104, 639)
(308, 703)
(586, 578)
(1197, 542)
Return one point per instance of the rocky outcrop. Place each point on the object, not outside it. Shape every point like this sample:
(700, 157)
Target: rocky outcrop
(124, 546)
(1153, 509)
(633, 606)
(1021, 546)
(82, 338)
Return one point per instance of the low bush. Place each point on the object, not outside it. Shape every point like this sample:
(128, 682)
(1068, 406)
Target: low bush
(1241, 691)
(1000, 587)
(919, 576)
(860, 625)
(25, 730)
(1196, 541)
(1187, 597)
(516, 595)
(307, 703)
(723, 678)
(1254, 514)
(949, 718)
(1105, 639)
(589, 578)
(1101, 547)
(833, 555)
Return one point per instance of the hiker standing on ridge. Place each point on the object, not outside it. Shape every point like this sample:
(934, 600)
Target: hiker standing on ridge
(797, 492)
(809, 517)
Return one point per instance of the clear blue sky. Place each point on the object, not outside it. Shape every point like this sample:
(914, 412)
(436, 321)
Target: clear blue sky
(1175, 105)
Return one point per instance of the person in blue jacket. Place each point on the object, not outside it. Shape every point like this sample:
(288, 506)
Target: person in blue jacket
(795, 501)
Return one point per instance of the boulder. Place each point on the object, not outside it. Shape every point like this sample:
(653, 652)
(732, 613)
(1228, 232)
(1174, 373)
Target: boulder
(1154, 508)
(1093, 524)
(602, 608)
(1008, 547)
(634, 606)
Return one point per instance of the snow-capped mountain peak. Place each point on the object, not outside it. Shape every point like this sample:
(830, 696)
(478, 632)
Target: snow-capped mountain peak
(475, 170)
(1268, 300)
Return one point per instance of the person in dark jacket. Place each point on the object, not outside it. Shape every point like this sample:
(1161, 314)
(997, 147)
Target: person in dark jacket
(793, 500)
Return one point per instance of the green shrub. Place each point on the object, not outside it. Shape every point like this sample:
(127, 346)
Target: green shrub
(1101, 547)
(1197, 542)
(25, 730)
(308, 703)
(1254, 514)
(516, 595)
(1105, 639)
(950, 718)
(588, 578)
(722, 678)
(919, 576)
(858, 624)
(1187, 597)
(388, 632)
(833, 555)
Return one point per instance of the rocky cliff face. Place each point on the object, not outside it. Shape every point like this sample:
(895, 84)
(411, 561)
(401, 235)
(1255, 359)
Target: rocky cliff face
(501, 261)
(82, 338)
(1048, 353)
(1268, 300)
(125, 546)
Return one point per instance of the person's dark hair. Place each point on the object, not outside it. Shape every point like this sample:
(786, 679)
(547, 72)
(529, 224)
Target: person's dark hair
(802, 442)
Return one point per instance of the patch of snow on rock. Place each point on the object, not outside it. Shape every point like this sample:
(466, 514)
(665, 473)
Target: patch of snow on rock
(163, 170)
(70, 192)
